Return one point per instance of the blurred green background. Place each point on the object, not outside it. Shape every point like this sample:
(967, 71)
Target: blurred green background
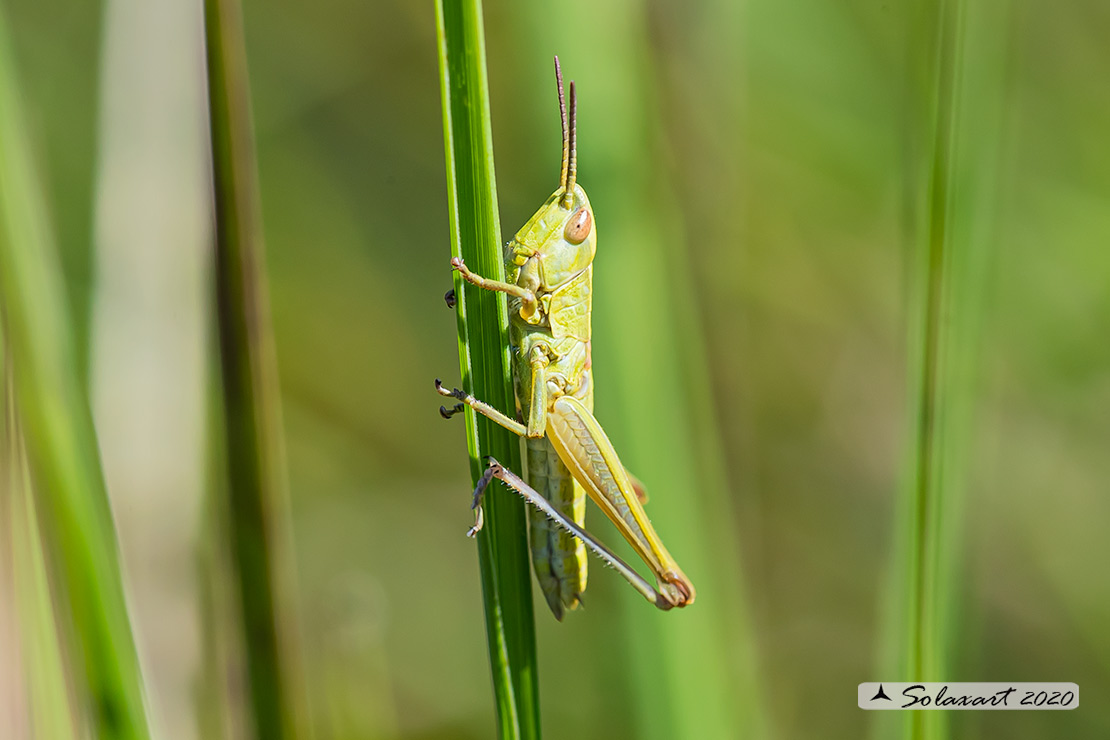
(755, 154)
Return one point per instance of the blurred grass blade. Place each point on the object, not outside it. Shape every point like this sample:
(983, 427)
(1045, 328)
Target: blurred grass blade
(223, 710)
(256, 497)
(954, 109)
(37, 653)
(484, 359)
(77, 530)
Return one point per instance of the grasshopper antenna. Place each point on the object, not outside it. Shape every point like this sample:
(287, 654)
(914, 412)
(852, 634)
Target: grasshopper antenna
(572, 152)
(563, 117)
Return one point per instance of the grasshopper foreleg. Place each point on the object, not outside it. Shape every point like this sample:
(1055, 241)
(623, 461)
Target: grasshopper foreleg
(513, 481)
(530, 303)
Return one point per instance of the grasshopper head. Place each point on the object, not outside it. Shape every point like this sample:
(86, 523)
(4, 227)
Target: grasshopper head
(561, 233)
(560, 225)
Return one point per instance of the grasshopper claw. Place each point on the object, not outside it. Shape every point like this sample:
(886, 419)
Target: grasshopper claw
(449, 298)
(447, 413)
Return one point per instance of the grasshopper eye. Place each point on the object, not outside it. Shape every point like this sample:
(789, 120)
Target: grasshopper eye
(578, 227)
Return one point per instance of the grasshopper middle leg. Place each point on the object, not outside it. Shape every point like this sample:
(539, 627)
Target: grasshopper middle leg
(481, 407)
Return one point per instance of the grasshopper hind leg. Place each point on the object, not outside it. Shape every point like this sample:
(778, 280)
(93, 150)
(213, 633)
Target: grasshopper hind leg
(516, 483)
(582, 444)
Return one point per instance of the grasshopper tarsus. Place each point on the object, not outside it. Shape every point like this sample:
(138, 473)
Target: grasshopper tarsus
(449, 298)
(453, 393)
(447, 413)
(479, 492)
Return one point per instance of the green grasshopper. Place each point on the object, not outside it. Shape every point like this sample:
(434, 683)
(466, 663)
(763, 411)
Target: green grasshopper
(549, 269)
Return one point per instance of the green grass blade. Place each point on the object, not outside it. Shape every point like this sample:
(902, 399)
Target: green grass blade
(954, 121)
(484, 359)
(252, 455)
(221, 706)
(77, 530)
(38, 649)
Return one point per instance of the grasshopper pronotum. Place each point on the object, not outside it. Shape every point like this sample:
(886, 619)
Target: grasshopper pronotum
(548, 266)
